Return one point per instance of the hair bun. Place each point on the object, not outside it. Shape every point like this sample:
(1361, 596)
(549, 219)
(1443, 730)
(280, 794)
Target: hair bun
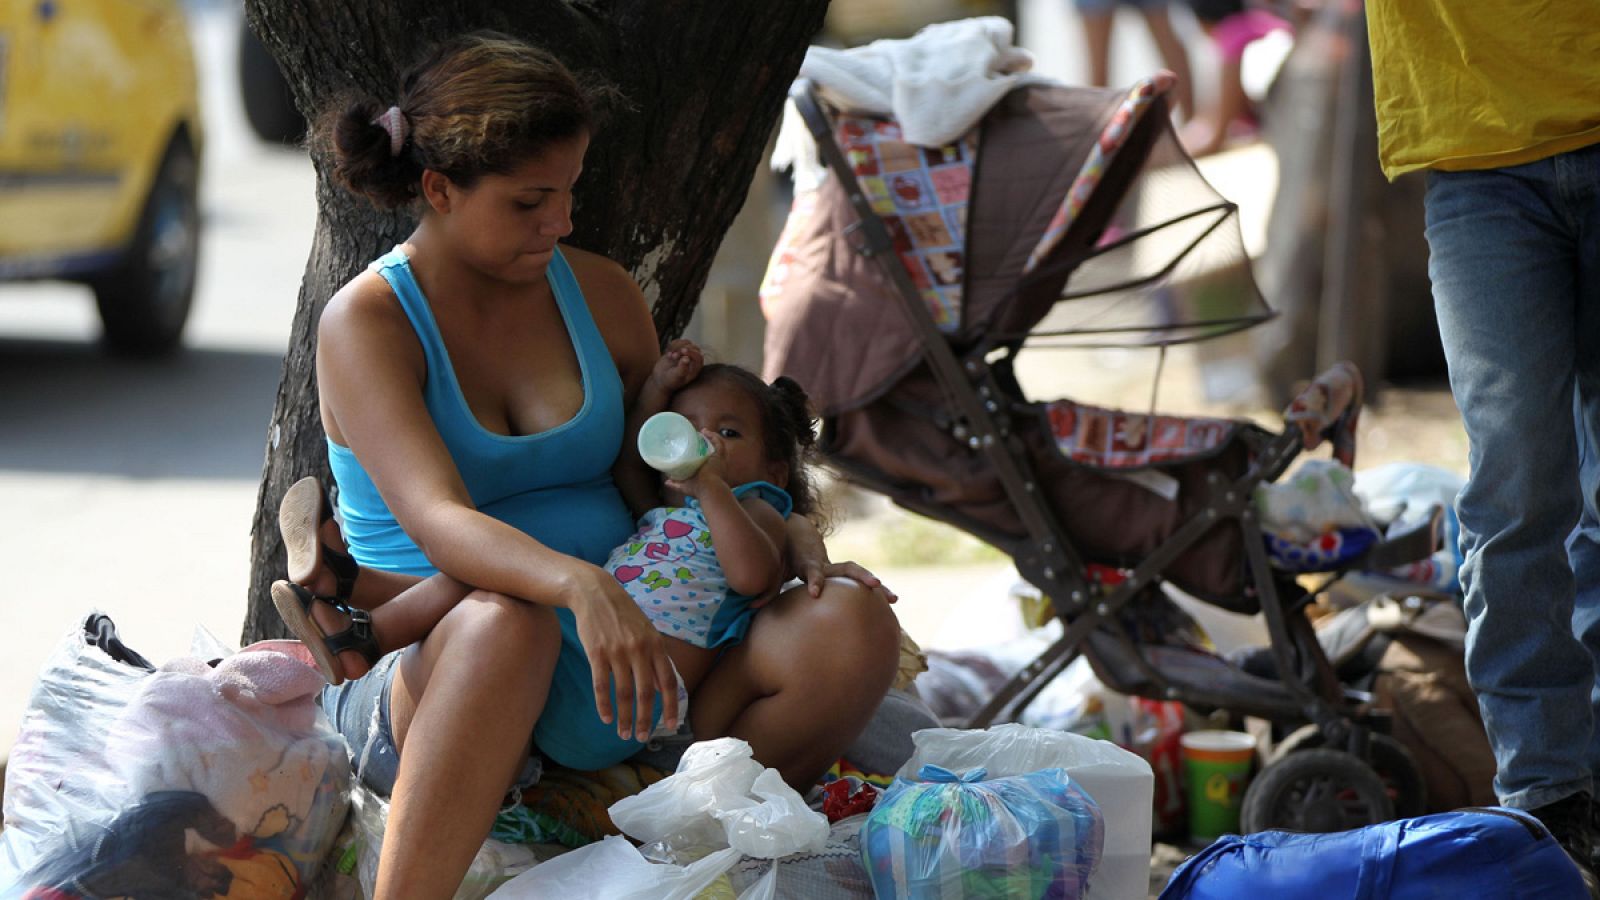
(797, 407)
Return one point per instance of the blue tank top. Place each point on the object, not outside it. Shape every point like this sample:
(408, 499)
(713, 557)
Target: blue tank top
(554, 486)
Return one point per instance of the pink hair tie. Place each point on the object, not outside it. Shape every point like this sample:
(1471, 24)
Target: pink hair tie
(393, 121)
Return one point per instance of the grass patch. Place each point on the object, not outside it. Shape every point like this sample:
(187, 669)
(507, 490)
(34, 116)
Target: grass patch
(916, 541)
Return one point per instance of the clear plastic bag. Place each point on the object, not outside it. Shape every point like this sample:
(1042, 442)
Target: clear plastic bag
(494, 865)
(1121, 783)
(191, 779)
(1031, 836)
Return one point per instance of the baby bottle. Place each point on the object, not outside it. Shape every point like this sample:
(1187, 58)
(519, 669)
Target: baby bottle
(670, 444)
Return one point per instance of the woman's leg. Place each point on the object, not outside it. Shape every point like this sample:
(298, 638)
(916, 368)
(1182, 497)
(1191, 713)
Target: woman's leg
(805, 681)
(462, 707)
(1097, 44)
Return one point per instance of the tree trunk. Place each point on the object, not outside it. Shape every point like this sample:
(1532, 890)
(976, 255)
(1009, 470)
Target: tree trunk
(705, 83)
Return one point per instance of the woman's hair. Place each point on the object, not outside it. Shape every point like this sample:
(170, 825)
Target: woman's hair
(479, 104)
(787, 432)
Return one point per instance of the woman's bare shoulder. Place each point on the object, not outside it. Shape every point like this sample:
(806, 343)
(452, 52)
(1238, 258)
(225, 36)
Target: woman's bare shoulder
(365, 304)
(602, 277)
(364, 327)
(618, 307)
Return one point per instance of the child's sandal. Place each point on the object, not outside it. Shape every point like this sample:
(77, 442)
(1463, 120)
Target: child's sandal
(294, 606)
(300, 517)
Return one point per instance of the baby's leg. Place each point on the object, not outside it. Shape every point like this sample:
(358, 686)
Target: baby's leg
(399, 622)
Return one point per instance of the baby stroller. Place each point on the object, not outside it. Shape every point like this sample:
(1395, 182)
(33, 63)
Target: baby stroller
(903, 290)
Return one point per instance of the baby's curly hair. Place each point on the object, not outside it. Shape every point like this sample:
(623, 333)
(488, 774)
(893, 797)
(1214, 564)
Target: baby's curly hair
(788, 431)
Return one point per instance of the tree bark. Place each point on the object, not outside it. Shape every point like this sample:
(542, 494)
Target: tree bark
(704, 83)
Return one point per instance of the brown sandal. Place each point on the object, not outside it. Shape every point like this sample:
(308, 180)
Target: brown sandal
(294, 607)
(300, 517)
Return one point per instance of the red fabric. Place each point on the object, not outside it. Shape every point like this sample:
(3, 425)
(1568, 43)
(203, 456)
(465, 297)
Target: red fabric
(847, 797)
(1240, 30)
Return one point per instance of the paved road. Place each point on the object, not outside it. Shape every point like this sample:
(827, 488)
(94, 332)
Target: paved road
(130, 486)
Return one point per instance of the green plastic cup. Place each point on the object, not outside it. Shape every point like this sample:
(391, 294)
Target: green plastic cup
(1216, 768)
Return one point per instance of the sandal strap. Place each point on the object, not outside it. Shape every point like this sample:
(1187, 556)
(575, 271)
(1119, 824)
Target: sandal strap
(344, 569)
(342, 565)
(357, 636)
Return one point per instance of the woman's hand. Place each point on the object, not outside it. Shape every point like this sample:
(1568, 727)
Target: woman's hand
(624, 650)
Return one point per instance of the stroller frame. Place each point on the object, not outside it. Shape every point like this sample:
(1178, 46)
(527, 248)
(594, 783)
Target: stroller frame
(1308, 689)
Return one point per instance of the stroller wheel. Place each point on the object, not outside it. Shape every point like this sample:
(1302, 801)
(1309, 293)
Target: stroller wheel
(1315, 790)
(1396, 768)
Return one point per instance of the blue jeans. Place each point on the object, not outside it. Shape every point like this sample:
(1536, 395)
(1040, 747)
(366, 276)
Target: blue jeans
(1515, 263)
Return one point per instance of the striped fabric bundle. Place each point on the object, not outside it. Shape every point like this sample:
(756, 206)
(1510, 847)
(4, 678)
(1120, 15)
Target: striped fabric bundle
(952, 836)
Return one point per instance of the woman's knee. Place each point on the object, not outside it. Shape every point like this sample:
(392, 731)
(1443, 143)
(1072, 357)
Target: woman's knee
(498, 627)
(854, 624)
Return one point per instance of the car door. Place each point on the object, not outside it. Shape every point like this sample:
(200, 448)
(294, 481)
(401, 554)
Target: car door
(64, 152)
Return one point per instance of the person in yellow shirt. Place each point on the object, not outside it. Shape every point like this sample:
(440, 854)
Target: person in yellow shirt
(1500, 103)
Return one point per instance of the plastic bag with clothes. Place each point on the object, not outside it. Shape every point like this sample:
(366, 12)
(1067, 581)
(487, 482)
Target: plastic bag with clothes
(1020, 836)
(219, 779)
(1403, 494)
(1120, 783)
(718, 807)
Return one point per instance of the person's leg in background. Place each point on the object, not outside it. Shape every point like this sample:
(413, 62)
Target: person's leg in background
(1505, 282)
(1583, 546)
(1096, 17)
(1173, 55)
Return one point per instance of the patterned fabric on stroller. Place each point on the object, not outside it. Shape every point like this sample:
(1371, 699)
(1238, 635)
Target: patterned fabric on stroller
(900, 294)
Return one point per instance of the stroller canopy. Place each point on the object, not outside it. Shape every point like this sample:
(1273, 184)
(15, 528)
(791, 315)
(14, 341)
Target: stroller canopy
(1061, 194)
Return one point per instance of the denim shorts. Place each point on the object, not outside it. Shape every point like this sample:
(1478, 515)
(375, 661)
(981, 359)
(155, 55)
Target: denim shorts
(359, 711)
(569, 732)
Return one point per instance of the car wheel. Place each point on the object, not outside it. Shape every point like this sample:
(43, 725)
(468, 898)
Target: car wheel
(145, 301)
(267, 102)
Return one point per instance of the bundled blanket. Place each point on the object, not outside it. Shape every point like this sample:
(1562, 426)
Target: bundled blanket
(937, 84)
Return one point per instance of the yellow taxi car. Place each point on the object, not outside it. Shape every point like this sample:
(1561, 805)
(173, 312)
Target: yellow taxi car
(99, 158)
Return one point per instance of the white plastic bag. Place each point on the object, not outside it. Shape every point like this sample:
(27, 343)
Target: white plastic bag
(718, 808)
(1120, 782)
(613, 869)
(721, 797)
(58, 782)
(176, 782)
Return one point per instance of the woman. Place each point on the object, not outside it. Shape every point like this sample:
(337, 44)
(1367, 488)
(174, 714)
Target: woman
(473, 387)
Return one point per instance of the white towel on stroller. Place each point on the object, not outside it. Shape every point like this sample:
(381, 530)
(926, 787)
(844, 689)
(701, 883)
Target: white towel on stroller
(937, 84)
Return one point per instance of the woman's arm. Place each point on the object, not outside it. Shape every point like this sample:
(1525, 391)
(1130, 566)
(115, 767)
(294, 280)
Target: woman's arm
(370, 373)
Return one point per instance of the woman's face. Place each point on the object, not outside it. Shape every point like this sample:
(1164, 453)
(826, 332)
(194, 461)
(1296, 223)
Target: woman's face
(733, 415)
(508, 225)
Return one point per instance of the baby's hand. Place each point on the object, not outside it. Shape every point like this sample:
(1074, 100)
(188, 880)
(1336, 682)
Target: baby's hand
(678, 366)
(713, 471)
